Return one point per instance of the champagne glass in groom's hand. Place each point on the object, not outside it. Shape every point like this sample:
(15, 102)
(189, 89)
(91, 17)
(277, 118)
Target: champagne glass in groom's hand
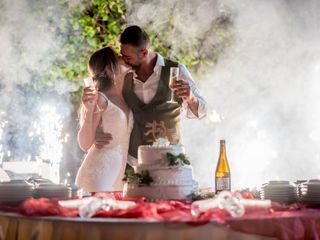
(174, 76)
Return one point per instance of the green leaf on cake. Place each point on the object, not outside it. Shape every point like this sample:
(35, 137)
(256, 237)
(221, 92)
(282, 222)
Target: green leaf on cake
(146, 178)
(130, 176)
(195, 196)
(142, 178)
(174, 160)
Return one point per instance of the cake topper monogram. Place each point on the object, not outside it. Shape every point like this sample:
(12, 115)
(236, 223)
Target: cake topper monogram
(157, 130)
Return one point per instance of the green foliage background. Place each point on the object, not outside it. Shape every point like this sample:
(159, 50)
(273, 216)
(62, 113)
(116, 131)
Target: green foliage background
(93, 24)
(79, 29)
(86, 27)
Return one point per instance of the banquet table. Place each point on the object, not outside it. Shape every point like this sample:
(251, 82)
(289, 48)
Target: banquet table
(39, 219)
(18, 227)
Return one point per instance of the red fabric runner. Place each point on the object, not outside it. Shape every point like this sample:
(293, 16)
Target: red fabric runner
(284, 222)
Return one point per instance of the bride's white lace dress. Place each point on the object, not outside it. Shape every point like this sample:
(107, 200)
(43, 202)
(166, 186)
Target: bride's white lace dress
(103, 169)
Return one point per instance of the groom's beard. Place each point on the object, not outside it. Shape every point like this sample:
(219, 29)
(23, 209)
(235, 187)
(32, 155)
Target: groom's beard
(136, 66)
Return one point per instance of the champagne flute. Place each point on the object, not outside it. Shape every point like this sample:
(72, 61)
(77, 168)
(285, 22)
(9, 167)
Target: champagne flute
(174, 76)
(88, 82)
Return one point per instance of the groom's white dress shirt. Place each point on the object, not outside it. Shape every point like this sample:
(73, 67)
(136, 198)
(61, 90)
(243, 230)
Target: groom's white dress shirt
(146, 91)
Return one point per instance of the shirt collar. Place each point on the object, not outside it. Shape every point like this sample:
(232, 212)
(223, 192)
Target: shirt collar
(157, 66)
(160, 61)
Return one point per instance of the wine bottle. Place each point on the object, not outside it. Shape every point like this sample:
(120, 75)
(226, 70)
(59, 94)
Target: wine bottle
(222, 176)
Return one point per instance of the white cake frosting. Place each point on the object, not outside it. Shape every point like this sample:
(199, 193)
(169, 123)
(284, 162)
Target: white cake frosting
(150, 155)
(169, 182)
(169, 175)
(158, 191)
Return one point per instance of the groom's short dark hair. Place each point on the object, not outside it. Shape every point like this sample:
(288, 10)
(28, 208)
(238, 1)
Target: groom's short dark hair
(135, 36)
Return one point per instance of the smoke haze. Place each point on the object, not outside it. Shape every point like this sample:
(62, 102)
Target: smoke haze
(263, 93)
(30, 119)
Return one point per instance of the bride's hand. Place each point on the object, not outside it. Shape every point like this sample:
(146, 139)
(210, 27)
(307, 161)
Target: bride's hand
(102, 139)
(89, 97)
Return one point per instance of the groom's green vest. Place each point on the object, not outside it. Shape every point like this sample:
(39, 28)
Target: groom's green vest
(157, 118)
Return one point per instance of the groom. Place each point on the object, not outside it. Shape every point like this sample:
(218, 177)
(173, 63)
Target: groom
(146, 91)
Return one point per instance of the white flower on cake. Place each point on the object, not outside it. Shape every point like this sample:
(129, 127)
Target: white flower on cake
(161, 142)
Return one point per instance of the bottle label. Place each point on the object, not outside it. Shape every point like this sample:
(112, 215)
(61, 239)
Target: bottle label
(223, 184)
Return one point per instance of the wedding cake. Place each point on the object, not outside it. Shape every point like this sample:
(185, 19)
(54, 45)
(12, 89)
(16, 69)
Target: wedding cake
(163, 172)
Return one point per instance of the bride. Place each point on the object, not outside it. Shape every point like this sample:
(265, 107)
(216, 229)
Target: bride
(104, 107)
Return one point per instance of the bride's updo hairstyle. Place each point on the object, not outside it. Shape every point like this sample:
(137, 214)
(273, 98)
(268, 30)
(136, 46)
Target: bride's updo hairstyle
(103, 64)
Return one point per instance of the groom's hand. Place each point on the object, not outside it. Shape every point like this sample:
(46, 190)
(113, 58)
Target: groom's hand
(102, 138)
(182, 90)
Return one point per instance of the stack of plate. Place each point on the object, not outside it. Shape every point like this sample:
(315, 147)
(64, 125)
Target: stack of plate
(39, 180)
(279, 191)
(311, 192)
(75, 191)
(300, 186)
(15, 191)
(46, 190)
